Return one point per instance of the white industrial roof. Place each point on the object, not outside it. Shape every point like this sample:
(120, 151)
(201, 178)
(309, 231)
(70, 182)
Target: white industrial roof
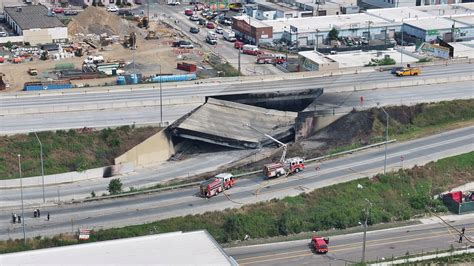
(434, 23)
(358, 58)
(463, 49)
(446, 10)
(398, 14)
(326, 23)
(192, 248)
(316, 57)
(469, 20)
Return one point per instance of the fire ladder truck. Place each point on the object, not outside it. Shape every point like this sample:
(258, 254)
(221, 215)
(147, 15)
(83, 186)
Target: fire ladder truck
(217, 184)
(285, 166)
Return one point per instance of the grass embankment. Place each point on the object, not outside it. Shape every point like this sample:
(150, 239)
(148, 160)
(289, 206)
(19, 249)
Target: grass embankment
(65, 151)
(395, 197)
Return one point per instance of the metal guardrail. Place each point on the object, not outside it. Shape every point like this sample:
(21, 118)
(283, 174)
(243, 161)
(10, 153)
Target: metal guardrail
(236, 176)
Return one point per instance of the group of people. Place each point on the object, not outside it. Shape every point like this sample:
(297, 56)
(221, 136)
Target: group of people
(36, 214)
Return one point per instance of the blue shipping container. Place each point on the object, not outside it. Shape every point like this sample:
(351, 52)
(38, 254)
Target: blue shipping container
(52, 86)
(173, 78)
(121, 80)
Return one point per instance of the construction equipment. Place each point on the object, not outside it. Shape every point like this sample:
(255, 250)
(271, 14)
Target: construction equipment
(320, 244)
(408, 71)
(217, 184)
(33, 72)
(284, 166)
(151, 35)
(143, 22)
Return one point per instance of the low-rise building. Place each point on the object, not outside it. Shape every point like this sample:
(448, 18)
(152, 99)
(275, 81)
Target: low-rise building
(36, 23)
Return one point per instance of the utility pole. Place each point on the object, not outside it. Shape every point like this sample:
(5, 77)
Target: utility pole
(386, 140)
(42, 165)
(403, 47)
(21, 192)
(239, 52)
(161, 99)
(317, 41)
(365, 229)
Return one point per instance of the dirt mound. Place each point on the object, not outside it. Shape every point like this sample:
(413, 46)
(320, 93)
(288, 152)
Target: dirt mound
(96, 20)
(354, 126)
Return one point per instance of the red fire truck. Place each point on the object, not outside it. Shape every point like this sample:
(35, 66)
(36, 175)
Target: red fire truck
(284, 166)
(217, 184)
(271, 59)
(287, 167)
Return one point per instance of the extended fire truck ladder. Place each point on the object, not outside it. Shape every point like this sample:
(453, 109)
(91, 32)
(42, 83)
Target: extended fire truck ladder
(285, 147)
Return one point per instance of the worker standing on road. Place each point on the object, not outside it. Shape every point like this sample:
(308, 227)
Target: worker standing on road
(48, 216)
(460, 237)
(38, 211)
(463, 230)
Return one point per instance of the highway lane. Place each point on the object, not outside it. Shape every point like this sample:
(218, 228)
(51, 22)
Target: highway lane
(151, 115)
(343, 249)
(170, 91)
(139, 209)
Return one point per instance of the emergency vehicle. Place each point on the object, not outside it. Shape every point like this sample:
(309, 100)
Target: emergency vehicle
(217, 184)
(320, 244)
(251, 49)
(271, 59)
(285, 168)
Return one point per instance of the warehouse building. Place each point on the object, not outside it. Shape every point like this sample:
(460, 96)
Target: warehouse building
(178, 248)
(448, 21)
(36, 24)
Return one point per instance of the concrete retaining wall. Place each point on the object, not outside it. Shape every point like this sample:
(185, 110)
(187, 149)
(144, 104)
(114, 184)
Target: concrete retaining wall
(68, 177)
(155, 149)
(308, 123)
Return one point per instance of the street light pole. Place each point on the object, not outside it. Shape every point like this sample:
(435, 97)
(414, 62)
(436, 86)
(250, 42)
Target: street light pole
(365, 229)
(21, 193)
(386, 140)
(161, 99)
(42, 165)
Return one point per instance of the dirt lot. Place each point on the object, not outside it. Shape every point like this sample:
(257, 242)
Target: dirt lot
(148, 55)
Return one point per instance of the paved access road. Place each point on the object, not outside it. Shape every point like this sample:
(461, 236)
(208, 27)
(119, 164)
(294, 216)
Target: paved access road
(347, 249)
(139, 209)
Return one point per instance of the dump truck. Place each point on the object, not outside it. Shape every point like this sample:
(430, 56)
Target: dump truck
(320, 244)
(216, 184)
(408, 71)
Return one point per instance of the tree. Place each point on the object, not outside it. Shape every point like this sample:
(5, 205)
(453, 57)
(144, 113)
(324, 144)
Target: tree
(118, 3)
(333, 34)
(115, 186)
(94, 3)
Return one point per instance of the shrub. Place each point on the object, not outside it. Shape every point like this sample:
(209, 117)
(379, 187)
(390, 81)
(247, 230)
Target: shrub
(115, 186)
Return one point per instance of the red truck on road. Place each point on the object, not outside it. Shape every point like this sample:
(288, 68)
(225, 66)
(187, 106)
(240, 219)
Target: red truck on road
(217, 184)
(287, 167)
(320, 244)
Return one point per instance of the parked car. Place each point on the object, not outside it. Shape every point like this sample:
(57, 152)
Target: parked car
(210, 25)
(125, 12)
(202, 22)
(219, 30)
(188, 12)
(3, 34)
(58, 10)
(112, 8)
(70, 12)
(183, 44)
(238, 45)
(194, 18)
(194, 30)
(186, 44)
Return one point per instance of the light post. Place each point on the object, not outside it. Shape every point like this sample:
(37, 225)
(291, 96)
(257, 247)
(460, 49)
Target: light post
(317, 41)
(161, 99)
(386, 140)
(42, 165)
(21, 193)
(365, 228)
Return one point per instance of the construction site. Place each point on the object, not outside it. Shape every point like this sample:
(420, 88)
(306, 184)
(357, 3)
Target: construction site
(102, 45)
